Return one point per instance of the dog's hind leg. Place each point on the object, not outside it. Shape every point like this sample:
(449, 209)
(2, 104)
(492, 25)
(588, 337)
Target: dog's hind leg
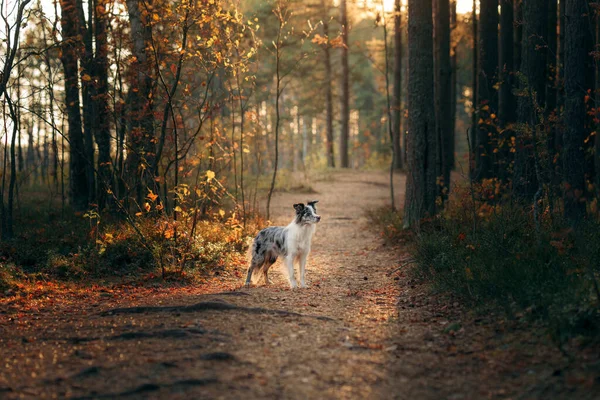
(265, 269)
(255, 263)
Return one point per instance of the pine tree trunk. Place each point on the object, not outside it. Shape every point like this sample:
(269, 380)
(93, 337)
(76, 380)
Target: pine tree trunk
(487, 76)
(507, 103)
(421, 188)
(345, 89)
(533, 95)
(474, 101)
(397, 106)
(573, 155)
(518, 33)
(443, 89)
(328, 83)
(88, 91)
(78, 184)
(141, 152)
(453, 88)
(101, 107)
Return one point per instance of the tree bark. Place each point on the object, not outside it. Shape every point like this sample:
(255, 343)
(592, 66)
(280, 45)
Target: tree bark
(88, 91)
(443, 89)
(421, 188)
(533, 95)
(474, 114)
(141, 151)
(453, 88)
(71, 46)
(573, 154)
(100, 105)
(487, 104)
(506, 101)
(397, 106)
(345, 89)
(328, 82)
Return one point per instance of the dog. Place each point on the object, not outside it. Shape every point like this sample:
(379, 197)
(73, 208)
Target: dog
(291, 242)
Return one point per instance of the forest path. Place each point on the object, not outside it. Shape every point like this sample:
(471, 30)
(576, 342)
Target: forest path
(355, 333)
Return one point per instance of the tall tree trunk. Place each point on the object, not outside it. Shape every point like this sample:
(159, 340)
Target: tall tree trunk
(88, 92)
(597, 103)
(345, 89)
(506, 101)
(453, 88)
(443, 89)
(573, 154)
(141, 152)
(328, 83)
(487, 103)
(71, 46)
(507, 110)
(533, 96)
(474, 100)
(518, 33)
(421, 188)
(397, 106)
(100, 105)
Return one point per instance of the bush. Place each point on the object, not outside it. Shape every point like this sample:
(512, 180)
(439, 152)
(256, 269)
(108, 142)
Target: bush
(495, 256)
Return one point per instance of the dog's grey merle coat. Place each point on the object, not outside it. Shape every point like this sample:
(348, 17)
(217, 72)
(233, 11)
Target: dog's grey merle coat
(292, 242)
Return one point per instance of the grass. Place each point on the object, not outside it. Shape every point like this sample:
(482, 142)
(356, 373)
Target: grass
(502, 261)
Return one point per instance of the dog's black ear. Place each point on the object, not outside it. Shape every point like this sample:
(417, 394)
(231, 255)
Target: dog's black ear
(313, 202)
(299, 207)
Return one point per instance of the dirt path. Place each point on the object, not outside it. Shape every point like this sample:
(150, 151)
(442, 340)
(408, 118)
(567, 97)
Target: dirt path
(355, 333)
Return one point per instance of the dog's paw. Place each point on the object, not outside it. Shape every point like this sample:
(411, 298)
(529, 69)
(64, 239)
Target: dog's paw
(303, 285)
(247, 285)
(293, 285)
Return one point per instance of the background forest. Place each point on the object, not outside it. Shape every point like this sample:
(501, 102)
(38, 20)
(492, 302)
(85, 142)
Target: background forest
(150, 135)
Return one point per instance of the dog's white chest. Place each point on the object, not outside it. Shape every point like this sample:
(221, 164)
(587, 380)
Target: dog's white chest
(300, 238)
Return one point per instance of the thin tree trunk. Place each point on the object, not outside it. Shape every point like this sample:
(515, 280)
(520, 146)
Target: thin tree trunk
(453, 88)
(345, 89)
(13, 171)
(389, 111)
(101, 108)
(474, 100)
(421, 187)
(397, 106)
(328, 89)
(280, 15)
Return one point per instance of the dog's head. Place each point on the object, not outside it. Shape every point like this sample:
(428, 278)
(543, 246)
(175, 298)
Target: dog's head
(306, 215)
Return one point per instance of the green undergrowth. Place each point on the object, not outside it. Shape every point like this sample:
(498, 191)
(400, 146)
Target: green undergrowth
(496, 256)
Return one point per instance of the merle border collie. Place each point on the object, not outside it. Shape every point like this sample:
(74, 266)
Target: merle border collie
(291, 242)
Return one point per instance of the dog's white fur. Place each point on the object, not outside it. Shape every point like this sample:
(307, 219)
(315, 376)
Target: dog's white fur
(293, 242)
(299, 239)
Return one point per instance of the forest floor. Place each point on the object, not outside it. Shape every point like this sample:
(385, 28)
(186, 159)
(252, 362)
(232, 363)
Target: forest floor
(360, 331)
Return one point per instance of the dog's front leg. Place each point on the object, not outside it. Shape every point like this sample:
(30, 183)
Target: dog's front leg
(303, 258)
(289, 261)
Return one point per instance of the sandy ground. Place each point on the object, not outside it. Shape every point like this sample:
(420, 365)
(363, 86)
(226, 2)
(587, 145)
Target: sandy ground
(357, 332)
